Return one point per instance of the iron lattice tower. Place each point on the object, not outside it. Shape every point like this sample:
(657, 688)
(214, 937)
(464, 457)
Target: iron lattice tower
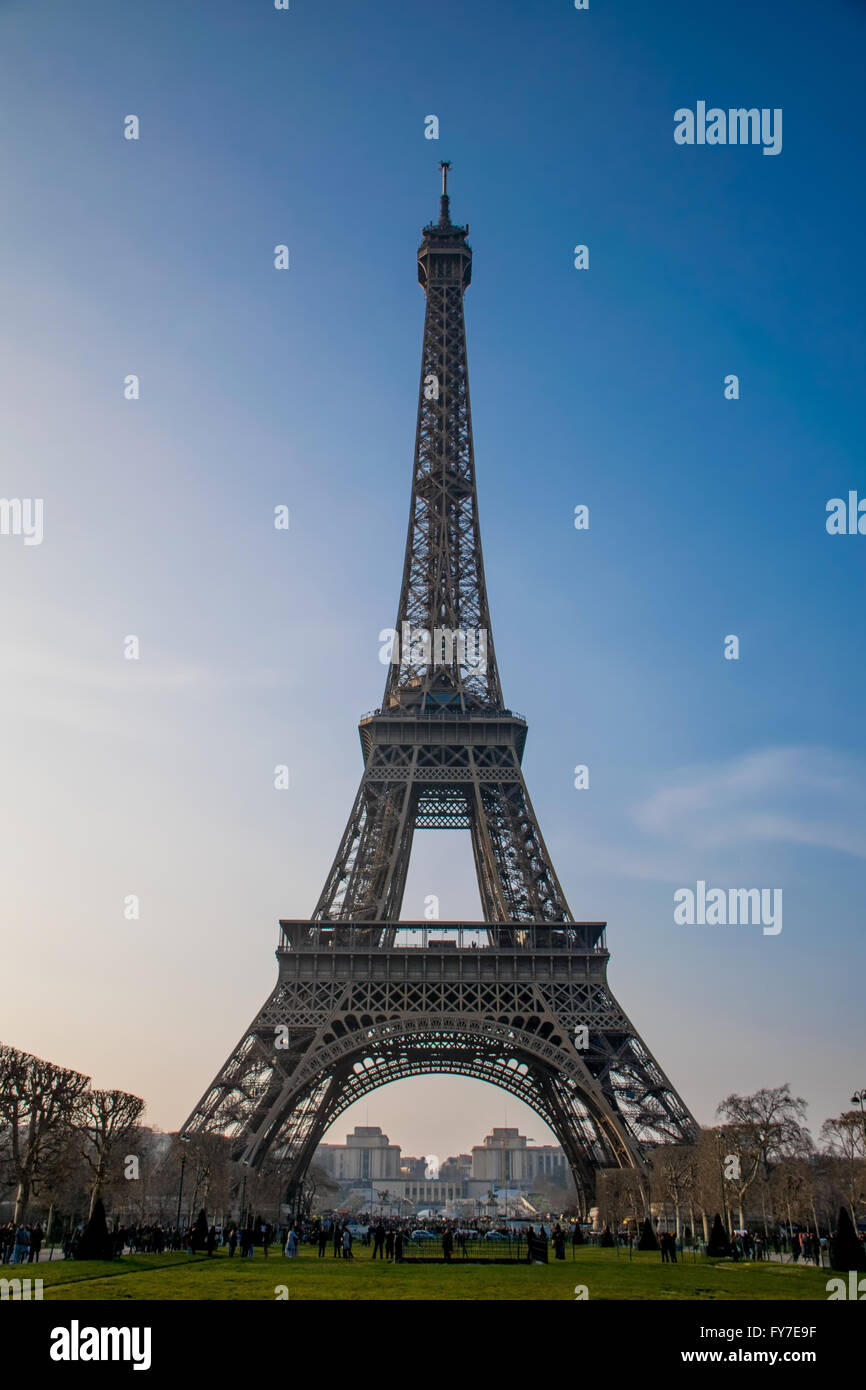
(520, 1000)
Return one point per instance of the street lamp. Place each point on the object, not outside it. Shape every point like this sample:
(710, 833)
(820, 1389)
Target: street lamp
(180, 1192)
(858, 1098)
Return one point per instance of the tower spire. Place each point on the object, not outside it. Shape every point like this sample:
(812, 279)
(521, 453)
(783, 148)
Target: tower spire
(445, 201)
(443, 591)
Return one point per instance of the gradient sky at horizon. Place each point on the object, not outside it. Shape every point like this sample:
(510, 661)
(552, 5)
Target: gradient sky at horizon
(258, 387)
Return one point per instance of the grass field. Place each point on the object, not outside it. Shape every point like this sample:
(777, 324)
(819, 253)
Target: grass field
(606, 1276)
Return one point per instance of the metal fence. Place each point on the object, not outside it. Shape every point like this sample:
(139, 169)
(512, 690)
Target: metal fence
(476, 1248)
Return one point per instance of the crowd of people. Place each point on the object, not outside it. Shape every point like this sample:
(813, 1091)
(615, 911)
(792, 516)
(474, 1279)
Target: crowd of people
(668, 1247)
(330, 1235)
(396, 1241)
(805, 1246)
(20, 1245)
(393, 1241)
(810, 1247)
(802, 1246)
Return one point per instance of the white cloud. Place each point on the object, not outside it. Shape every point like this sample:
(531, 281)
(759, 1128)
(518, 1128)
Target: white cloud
(792, 796)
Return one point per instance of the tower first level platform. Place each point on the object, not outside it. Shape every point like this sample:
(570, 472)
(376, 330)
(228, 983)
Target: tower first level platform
(527, 1008)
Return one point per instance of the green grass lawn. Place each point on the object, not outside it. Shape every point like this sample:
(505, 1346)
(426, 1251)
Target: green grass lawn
(606, 1276)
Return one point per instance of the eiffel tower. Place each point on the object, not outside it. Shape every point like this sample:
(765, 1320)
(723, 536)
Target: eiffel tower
(520, 1000)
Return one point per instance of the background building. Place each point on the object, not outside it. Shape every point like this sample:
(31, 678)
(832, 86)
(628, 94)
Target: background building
(502, 1158)
(456, 1169)
(366, 1154)
(413, 1168)
(505, 1160)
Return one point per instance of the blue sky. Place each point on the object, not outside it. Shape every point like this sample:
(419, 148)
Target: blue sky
(260, 387)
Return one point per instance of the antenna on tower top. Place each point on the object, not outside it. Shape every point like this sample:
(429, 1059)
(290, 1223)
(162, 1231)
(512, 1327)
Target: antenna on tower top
(444, 213)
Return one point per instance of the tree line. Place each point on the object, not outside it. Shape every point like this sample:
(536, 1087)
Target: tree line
(759, 1167)
(64, 1145)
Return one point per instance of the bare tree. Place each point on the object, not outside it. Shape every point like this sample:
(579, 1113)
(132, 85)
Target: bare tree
(318, 1186)
(617, 1190)
(37, 1103)
(106, 1120)
(674, 1171)
(787, 1184)
(208, 1163)
(708, 1191)
(845, 1140)
(550, 1194)
(760, 1130)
